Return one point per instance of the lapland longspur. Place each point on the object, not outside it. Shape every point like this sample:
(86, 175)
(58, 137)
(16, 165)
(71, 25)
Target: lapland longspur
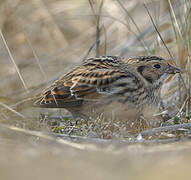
(128, 82)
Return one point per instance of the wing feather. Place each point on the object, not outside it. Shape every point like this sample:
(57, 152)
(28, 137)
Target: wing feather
(93, 80)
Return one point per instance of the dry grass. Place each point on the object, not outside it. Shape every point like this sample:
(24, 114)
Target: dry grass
(42, 39)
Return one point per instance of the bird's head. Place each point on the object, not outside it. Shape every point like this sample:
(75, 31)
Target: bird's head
(153, 69)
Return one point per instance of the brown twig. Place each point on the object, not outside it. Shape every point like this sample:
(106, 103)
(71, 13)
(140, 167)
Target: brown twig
(154, 131)
(98, 29)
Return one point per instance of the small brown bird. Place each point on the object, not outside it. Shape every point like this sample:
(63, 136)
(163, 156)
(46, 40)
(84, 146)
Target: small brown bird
(133, 83)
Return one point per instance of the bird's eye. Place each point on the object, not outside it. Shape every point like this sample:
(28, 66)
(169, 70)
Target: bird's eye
(157, 66)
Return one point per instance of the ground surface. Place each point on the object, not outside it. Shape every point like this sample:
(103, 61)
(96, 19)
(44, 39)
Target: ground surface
(47, 38)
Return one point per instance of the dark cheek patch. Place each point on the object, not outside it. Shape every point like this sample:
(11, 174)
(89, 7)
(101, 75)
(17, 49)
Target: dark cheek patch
(146, 76)
(149, 79)
(140, 69)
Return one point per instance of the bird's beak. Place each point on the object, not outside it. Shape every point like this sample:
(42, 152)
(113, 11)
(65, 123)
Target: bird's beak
(173, 69)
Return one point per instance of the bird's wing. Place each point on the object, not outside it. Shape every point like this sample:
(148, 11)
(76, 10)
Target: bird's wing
(95, 79)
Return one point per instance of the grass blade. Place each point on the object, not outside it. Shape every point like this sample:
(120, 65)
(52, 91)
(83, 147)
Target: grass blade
(13, 61)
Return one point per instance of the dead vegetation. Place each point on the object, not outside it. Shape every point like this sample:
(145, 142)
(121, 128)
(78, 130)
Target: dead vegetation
(42, 39)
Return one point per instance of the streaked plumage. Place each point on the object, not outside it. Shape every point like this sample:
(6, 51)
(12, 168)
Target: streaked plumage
(133, 82)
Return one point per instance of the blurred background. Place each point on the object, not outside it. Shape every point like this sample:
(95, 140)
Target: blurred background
(46, 38)
(41, 39)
